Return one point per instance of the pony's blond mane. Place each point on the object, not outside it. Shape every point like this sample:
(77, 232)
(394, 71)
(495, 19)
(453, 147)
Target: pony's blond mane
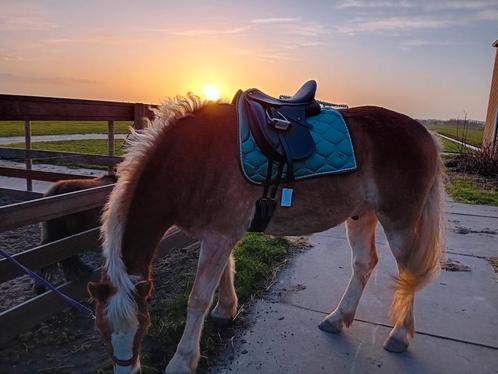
(121, 308)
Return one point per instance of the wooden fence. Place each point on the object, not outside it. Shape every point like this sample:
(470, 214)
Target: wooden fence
(12, 107)
(31, 108)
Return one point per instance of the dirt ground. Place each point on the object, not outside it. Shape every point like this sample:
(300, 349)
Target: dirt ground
(69, 342)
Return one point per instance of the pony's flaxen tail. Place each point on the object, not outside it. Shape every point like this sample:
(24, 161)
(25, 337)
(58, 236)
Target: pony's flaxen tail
(424, 262)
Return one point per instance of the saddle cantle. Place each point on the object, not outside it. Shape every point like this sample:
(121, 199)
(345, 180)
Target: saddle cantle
(280, 129)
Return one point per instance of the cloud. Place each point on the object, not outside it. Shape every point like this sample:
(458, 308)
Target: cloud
(408, 45)
(460, 5)
(273, 20)
(311, 30)
(396, 24)
(441, 5)
(8, 57)
(365, 4)
(25, 23)
(92, 38)
(488, 15)
(266, 55)
(421, 43)
(278, 26)
(202, 32)
(55, 80)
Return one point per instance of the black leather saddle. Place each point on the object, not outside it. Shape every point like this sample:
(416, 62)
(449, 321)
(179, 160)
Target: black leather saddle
(279, 128)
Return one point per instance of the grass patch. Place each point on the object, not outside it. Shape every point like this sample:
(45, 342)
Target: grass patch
(449, 146)
(256, 257)
(471, 135)
(472, 189)
(16, 128)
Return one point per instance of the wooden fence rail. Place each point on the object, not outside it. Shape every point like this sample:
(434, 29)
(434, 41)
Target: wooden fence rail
(22, 108)
(70, 157)
(50, 253)
(29, 212)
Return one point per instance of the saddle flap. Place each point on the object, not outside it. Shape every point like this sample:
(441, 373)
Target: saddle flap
(292, 143)
(265, 136)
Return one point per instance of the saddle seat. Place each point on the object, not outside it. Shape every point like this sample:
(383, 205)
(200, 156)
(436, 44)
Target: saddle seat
(304, 96)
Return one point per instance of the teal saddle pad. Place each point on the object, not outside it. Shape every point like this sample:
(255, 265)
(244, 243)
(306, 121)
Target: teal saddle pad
(334, 149)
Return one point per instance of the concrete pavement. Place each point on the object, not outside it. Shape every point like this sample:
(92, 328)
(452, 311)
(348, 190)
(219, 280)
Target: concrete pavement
(456, 315)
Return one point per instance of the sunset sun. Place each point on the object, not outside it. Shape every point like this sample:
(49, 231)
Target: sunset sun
(212, 92)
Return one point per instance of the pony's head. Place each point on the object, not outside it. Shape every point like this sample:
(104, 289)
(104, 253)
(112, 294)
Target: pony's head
(122, 334)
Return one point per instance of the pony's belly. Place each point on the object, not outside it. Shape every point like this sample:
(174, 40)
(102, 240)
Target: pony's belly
(290, 225)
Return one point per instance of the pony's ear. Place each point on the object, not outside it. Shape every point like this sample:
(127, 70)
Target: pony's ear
(99, 291)
(144, 289)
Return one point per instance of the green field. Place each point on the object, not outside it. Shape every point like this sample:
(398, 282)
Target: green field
(471, 136)
(16, 128)
(471, 189)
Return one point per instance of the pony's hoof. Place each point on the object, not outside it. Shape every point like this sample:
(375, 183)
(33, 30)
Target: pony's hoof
(223, 317)
(395, 345)
(331, 327)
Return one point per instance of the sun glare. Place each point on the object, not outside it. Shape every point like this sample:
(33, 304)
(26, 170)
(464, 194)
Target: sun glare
(211, 92)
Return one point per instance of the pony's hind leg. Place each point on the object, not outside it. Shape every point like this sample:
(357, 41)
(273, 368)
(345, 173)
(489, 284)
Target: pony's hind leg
(418, 245)
(215, 251)
(226, 308)
(361, 235)
(402, 243)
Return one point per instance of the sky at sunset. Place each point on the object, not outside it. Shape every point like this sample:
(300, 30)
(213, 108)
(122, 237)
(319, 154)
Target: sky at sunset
(428, 59)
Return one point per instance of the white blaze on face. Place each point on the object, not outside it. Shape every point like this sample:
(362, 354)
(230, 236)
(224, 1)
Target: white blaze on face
(122, 347)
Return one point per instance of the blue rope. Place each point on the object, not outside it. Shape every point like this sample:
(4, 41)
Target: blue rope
(75, 304)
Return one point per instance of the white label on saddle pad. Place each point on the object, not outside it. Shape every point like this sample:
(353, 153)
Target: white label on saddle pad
(286, 199)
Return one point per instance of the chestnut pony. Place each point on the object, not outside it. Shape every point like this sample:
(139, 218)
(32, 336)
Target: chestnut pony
(184, 170)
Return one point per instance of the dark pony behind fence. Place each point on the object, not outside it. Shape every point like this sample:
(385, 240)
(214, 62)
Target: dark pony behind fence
(185, 171)
(58, 228)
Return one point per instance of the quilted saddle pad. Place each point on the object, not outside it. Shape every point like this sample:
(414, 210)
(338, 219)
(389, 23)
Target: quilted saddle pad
(334, 149)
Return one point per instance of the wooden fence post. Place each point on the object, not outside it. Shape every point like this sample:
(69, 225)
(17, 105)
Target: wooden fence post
(27, 145)
(138, 123)
(110, 138)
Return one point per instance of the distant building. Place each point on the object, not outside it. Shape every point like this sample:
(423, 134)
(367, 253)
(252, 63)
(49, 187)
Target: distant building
(490, 130)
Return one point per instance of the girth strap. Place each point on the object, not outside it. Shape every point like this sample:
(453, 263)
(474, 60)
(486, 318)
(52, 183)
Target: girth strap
(280, 130)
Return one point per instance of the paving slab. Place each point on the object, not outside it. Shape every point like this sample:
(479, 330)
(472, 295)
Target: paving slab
(294, 344)
(456, 315)
(461, 305)
(476, 209)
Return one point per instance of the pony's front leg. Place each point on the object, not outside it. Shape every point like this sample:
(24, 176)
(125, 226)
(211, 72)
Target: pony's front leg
(361, 235)
(226, 308)
(215, 250)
